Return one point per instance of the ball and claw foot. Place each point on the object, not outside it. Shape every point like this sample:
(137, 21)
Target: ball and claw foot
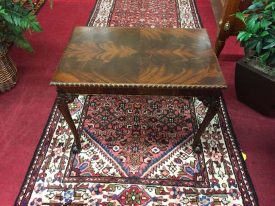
(75, 150)
(197, 149)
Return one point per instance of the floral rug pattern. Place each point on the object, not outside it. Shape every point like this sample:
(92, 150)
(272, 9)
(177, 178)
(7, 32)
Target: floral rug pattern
(136, 150)
(140, 139)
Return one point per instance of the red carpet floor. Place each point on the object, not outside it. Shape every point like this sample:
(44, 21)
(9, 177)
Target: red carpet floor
(25, 109)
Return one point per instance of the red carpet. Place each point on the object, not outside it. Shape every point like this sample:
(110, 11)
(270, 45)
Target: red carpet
(24, 110)
(255, 133)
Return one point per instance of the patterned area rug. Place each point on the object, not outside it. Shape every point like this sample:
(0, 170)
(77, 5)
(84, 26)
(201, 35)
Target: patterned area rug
(137, 149)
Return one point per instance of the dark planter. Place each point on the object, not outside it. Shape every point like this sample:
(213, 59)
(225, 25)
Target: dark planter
(255, 89)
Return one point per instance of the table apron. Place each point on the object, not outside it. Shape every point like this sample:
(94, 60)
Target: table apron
(196, 92)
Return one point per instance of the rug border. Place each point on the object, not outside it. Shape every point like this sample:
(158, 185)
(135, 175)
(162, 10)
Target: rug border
(91, 12)
(197, 10)
(36, 152)
(230, 125)
(237, 144)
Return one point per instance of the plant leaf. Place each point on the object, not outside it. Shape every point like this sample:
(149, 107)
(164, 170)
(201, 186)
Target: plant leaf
(16, 20)
(269, 45)
(244, 36)
(265, 23)
(269, 39)
(251, 21)
(271, 60)
(255, 5)
(264, 33)
(264, 57)
(270, 6)
(240, 15)
(250, 45)
(259, 47)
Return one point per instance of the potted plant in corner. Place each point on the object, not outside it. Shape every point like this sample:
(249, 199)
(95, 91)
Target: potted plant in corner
(255, 73)
(15, 19)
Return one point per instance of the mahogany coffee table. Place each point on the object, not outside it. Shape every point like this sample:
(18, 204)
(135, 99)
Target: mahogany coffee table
(139, 61)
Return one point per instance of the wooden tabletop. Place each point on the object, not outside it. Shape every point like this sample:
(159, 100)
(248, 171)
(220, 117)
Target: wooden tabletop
(139, 57)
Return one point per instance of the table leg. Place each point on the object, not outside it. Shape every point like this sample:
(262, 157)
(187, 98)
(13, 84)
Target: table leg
(63, 100)
(213, 105)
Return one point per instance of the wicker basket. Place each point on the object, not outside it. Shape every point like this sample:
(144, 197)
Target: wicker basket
(37, 4)
(8, 71)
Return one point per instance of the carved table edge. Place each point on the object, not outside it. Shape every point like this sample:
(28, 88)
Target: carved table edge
(119, 85)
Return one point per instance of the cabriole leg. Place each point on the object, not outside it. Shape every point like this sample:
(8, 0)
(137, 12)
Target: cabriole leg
(63, 100)
(213, 105)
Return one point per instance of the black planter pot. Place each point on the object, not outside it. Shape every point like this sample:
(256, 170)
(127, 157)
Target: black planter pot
(255, 89)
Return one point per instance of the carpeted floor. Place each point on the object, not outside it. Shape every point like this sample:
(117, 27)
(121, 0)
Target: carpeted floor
(27, 107)
(137, 150)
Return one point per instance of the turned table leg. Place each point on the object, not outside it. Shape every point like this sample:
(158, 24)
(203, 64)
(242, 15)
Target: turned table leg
(63, 100)
(219, 45)
(213, 105)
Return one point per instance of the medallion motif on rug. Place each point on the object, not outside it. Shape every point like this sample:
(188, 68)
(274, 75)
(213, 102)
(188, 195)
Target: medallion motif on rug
(140, 139)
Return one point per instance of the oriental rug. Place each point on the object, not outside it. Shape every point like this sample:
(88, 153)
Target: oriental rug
(136, 150)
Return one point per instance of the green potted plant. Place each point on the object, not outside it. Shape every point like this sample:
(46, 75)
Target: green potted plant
(15, 19)
(255, 73)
